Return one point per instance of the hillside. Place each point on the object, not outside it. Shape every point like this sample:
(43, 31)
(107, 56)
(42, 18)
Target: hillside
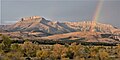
(37, 28)
(40, 24)
(86, 37)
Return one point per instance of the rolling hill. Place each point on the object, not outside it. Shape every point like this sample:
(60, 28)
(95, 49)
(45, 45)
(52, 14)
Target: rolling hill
(37, 28)
(40, 24)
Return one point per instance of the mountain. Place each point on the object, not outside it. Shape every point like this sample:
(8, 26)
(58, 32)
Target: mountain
(40, 24)
(38, 28)
(85, 37)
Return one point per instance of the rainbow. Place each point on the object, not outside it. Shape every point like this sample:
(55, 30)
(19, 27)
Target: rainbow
(97, 11)
(96, 15)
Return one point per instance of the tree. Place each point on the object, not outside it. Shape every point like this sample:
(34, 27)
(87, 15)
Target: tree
(93, 52)
(29, 49)
(58, 51)
(6, 43)
(118, 50)
(103, 55)
(14, 55)
(78, 50)
(15, 47)
(43, 54)
(0, 34)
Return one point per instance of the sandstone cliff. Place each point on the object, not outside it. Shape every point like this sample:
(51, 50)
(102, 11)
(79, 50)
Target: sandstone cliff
(40, 24)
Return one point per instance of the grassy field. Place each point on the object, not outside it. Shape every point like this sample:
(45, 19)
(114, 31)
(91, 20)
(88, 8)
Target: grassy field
(74, 51)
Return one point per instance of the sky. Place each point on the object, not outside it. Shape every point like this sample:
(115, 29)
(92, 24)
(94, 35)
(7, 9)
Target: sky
(60, 10)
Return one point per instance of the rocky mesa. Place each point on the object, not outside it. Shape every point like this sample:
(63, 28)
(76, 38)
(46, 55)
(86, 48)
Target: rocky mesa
(40, 24)
(37, 28)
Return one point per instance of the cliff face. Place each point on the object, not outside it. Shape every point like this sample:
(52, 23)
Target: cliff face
(40, 24)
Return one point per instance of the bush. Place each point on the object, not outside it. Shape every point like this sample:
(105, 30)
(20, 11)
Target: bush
(6, 43)
(29, 49)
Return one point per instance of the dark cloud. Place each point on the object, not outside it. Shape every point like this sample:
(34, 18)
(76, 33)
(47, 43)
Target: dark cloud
(61, 10)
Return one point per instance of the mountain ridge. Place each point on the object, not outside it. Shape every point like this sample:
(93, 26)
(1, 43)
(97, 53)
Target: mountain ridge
(38, 28)
(38, 24)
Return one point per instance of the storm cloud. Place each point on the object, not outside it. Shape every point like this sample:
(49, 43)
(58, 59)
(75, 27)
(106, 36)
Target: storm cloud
(60, 10)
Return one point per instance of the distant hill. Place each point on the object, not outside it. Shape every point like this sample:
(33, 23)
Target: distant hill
(85, 37)
(40, 24)
(38, 28)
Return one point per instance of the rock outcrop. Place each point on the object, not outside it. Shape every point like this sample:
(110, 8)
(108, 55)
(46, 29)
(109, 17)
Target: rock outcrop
(40, 24)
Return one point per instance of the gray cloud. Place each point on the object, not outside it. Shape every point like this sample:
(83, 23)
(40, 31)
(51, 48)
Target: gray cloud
(61, 10)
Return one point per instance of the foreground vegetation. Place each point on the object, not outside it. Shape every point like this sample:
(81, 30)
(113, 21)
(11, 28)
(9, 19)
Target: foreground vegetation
(35, 51)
